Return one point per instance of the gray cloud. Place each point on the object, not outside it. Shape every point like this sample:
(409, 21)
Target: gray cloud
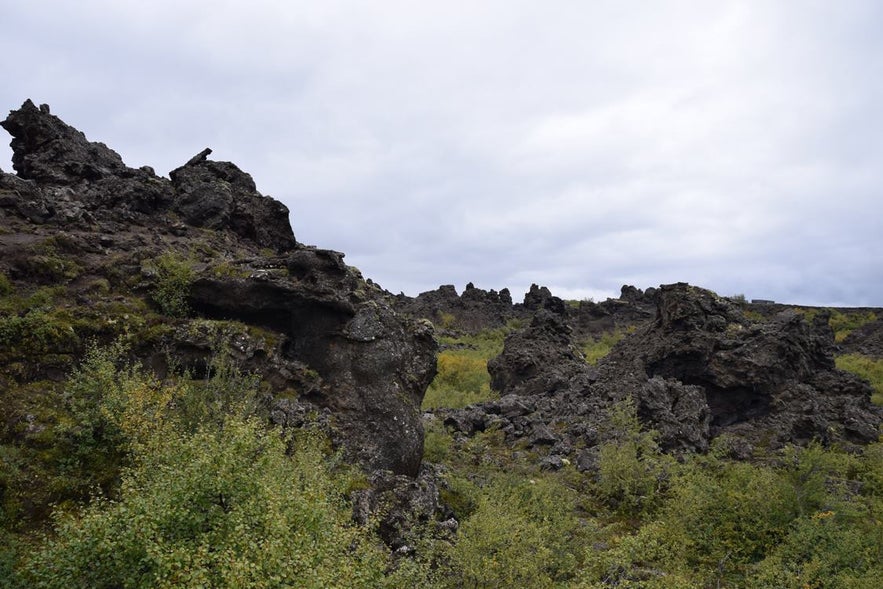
(579, 145)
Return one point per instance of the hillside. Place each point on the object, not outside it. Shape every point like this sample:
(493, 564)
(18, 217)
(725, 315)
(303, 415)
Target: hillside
(191, 397)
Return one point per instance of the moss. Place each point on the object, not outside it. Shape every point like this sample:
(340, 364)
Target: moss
(227, 269)
(6, 287)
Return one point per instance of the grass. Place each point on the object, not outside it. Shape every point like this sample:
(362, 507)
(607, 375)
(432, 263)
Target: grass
(845, 323)
(867, 368)
(462, 377)
(596, 349)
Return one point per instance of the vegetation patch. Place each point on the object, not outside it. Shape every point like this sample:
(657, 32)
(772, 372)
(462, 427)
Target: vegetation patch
(173, 276)
(462, 377)
(845, 323)
(595, 349)
(868, 368)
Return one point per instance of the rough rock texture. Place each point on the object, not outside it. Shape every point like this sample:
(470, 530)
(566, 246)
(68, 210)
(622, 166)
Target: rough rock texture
(473, 311)
(66, 180)
(541, 359)
(700, 369)
(219, 195)
(399, 506)
(633, 307)
(374, 366)
(772, 380)
(867, 340)
(327, 342)
(477, 310)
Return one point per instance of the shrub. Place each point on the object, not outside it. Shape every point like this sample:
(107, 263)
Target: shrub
(844, 323)
(218, 501)
(633, 472)
(222, 507)
(823, 550)
(6, 287)
(174, 274)
(462, 377)
(521, 533)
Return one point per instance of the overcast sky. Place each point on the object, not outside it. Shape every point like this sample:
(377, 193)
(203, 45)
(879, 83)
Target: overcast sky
(581, 145)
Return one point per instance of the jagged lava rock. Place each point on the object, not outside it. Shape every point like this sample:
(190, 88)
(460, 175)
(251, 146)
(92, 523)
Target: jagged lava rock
(473, 311)
(339, 345)
(699, 370)
(771, 381)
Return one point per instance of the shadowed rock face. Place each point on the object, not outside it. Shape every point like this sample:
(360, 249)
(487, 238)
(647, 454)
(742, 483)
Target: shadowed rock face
(337, 344)
(699, 370)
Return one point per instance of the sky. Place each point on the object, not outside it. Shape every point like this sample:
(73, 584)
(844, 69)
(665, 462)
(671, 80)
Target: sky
(580, 145)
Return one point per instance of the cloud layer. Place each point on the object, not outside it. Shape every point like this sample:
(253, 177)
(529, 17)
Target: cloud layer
(578, 145)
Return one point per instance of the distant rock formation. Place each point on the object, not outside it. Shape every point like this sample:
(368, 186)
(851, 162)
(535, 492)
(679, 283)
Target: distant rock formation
(699, 370)
(473, 311)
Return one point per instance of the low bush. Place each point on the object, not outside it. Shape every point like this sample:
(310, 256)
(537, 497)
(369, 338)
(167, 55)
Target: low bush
(174, 274)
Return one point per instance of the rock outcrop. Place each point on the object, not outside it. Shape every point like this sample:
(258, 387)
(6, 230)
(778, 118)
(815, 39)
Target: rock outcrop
(473, 311)
(477, 310)
(75, 217)
(866, 339)
(67, 181)
(701, 369)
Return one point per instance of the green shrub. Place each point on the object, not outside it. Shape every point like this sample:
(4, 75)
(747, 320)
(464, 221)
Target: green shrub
(6, 287)
(520, 533)
(462, 377)
(222, 507)
(174, 274)
(210, 497)
(823, 550)
(633, 471)
(727, 516)
(844, 323)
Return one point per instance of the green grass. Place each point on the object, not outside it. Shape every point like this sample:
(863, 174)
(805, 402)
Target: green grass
(844, 323)
(462, 377)
(596, 349)
(867, 368)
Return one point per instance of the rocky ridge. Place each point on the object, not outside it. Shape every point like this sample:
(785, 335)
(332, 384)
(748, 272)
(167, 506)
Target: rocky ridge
(76, 219)
(699, 370)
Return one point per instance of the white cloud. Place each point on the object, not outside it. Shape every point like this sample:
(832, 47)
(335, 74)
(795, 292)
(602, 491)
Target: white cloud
(578, 144)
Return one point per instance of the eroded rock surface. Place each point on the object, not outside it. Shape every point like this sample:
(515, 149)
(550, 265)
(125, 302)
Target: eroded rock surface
(326, 341)
(699, 370)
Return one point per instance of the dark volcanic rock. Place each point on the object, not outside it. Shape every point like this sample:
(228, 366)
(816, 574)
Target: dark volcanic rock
(49, 151)
(323, 339)
(473, 311)
(539, 360)
(772, 381)
(539, 297)
(219, 195)
(867, 340)
(64, 179)
(699, 370)
(374, 366)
